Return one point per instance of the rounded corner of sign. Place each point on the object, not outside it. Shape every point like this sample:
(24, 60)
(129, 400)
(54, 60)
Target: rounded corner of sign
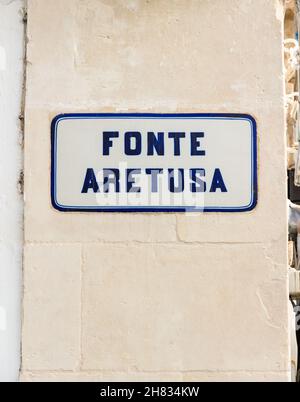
(56, 119)
(57, 206)
(251, 119)
(252, 206)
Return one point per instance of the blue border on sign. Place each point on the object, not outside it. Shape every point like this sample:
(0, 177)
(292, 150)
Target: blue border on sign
(213, 116)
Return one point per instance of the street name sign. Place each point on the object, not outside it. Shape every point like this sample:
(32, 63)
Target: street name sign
(154, 162)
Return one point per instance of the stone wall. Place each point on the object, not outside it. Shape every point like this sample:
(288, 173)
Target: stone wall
(155, 296)
(11, 211)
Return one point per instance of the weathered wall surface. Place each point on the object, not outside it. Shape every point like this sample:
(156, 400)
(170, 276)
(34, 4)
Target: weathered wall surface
(155, 296)
(11, 217)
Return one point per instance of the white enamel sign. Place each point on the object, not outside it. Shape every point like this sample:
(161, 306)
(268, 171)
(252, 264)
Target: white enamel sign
(154, 162)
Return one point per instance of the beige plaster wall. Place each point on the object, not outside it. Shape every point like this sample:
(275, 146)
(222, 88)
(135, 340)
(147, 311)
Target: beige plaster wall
(155, 296)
